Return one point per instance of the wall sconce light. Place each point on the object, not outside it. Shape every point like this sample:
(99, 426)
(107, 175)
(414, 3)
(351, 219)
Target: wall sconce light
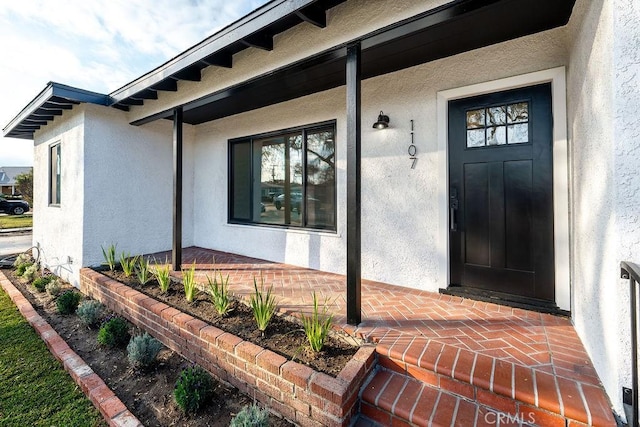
(382, 123)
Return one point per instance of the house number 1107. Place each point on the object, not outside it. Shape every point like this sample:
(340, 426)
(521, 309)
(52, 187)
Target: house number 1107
(413, 150)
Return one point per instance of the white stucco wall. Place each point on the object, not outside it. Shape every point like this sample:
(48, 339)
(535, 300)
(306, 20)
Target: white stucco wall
(399, 205)
(603, 97)
(129, 192)
(57, 230)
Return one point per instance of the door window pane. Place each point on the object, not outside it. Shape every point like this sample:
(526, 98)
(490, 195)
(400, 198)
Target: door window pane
(486, 126)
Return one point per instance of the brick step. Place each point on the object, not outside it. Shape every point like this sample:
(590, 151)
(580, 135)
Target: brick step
(478, 382)
(394, 399)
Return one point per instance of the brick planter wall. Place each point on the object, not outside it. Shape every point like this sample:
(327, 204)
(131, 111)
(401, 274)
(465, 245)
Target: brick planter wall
(293, 390)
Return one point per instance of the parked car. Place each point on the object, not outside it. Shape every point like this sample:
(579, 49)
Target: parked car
(296, 201)
(13, 207)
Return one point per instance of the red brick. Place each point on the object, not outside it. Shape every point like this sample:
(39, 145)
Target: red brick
(228, 342)
(524, 385)
(446, 360)
(375, 414)
(457, 387)
(547, 392)
(210, 333)
(352, 373)
(195, 326)
(112, 407)
(375, 387)
(598, 405)
(270, 361)
(424, 375)
(100, 394)
(540, 417)
(502, 378)
(444, 410)
(297, 373)
(90, 382)
(430, 356)
(248, 351)
(169, 313)
(392, 364)
(424, 406)
(388, 396)
(329, 388)
(297, 404)
(572, 400)
(496, 402)
(482, 371)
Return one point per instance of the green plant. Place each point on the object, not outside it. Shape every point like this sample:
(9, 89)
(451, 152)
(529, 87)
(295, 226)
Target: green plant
(143, 273)
(263, 305)
(189, 282)
(31, 272)
(251, 416)
(114, 332)
(41, 282)
(22, 268)
(54, 288)
(67, 303)
(193, 388)
(143, 350)
(128, 263)
(23, 258)
(90, 312)
(163, 276)
(220, 294)
(318, 325)
(109, 255)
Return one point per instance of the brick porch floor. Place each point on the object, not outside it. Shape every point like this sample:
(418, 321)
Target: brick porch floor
(468, 357)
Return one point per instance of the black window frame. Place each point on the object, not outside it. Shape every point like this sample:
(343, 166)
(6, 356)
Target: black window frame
(55, 173)
(304, 130)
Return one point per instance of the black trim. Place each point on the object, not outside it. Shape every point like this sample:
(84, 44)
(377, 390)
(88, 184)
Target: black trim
(176, 252)
(303, 130)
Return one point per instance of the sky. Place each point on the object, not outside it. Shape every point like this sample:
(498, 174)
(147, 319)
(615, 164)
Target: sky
(95, 45)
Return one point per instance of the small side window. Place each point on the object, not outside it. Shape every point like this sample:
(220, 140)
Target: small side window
(54, 174)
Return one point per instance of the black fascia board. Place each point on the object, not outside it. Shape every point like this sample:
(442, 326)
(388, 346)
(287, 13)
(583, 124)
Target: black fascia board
(254, 22)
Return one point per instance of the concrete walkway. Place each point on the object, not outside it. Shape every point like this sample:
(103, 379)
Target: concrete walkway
(522, 355)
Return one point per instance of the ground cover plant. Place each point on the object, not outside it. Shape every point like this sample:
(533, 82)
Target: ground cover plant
(251, 416)
(143, 350)
(114, 332)
(193, 389)
(67, 303)
(41, 282)
(90, 312)
(34, 388)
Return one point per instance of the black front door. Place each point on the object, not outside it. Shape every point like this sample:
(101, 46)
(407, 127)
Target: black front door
(501, 193)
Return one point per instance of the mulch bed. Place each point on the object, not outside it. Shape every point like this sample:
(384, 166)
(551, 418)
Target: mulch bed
(282, 336)
(148, 395)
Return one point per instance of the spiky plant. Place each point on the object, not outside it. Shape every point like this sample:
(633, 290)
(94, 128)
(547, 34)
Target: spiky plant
(317, 325)
(263, 305)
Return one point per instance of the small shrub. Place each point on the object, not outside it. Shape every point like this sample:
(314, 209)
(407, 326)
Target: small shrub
(220, 294)
(251, 416)
(193, 388)
(67, 303)
(163, 276)
(22, 268)
(90, 312)
(109, 255)
(143, 350)
(263, 305)
(143, 273)
(54, 287)
(318, 325)
(41, 283)
(128, 263)
(23, 258)
(189, 283)
(31, 273)
(114, 332)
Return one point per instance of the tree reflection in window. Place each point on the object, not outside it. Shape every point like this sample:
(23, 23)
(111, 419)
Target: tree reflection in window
(498, 125)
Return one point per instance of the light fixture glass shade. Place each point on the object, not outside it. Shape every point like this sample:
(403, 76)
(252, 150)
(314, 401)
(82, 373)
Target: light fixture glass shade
(382, 123)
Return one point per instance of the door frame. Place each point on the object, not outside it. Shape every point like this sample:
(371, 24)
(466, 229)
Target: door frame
(557, 78)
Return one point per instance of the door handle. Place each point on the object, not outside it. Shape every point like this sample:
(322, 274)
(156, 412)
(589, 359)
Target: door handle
(453, 209)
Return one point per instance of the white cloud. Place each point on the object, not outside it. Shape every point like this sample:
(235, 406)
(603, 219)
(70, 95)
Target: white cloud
(95, 45)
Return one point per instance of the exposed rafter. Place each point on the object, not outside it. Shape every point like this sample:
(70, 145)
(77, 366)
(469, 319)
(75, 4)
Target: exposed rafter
(53, 106)
(131, 101)
(192, 74)
(45, 117)
(146, 94)
(314, 15)
(219, 59)
(167, 85)
(120, 107)
(259, 41)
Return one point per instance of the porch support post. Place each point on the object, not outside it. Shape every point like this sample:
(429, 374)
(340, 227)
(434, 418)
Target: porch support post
(354, 315)
(176, 251)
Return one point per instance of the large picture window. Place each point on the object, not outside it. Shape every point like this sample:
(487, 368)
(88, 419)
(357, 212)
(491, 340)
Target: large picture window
(284, 178)
(54, 174)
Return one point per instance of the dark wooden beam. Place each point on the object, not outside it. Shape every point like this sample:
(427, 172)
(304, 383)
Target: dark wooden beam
(354, 249)
(176, 252)
(34, 122)
(120, 107)
(168, 85)
(219, 59)
(47, 112)
(63, 101)
(52, 106)
(131, 101)
(259, 40)
(190, 74)
(41, 116)
(145, 94)
(314, 15)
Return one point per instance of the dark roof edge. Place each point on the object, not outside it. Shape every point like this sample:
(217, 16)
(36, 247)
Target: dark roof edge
(70, 93)
(258, 19)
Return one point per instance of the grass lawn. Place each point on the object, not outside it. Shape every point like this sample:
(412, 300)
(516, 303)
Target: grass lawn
(34, 388)
(16, 221)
